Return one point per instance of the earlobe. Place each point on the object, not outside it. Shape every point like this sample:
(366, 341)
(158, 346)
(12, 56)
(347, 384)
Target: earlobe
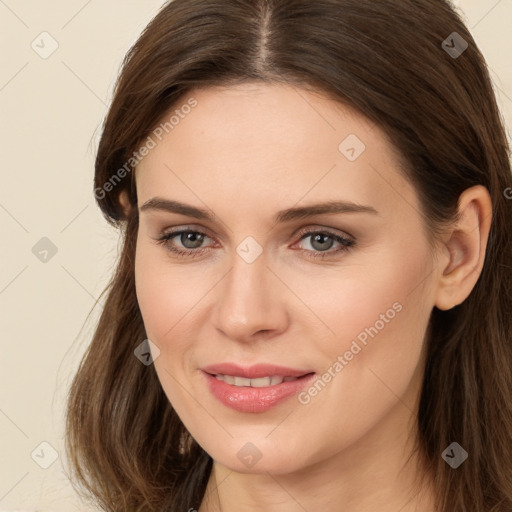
(125, 202)
(464, 248)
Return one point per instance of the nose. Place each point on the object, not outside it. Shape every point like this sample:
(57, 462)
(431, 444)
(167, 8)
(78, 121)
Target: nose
(250, 302)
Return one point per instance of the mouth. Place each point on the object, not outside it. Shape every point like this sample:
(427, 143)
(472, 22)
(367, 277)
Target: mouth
(255, 389)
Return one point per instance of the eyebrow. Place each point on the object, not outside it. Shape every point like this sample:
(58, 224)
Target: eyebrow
(290, 214)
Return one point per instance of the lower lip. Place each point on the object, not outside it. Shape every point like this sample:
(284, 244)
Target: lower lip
(248, 399)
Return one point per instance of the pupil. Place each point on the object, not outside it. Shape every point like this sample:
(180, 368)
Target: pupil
(192, 238)
(320, 237)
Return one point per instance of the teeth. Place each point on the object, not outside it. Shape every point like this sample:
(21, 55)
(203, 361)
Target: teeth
(276, 380)
(261, 382)
(228, 379)
(241, 381)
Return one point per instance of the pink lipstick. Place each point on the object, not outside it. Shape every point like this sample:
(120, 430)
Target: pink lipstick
(255, 388)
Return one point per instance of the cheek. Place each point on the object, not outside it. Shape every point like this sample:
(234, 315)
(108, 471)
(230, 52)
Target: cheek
(170, 299)
(382, 292)
(372, 315)
(379, 315)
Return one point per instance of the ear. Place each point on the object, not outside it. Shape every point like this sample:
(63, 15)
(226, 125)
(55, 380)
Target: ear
(125, 202)
(464, 248)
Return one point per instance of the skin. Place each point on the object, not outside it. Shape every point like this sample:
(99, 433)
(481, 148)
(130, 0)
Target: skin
(245, 153)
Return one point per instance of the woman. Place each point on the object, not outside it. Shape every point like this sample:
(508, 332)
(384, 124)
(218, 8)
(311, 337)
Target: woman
(312, 307)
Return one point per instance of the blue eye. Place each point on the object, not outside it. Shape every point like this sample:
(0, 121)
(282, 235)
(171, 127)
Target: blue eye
(322, 243)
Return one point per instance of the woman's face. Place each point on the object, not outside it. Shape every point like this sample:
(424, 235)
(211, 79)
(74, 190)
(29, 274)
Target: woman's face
(270, 277)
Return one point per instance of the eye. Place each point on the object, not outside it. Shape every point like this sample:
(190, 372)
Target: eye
(191, 241)
(323, 241)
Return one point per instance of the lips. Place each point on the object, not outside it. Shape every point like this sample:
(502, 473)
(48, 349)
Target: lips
(254, 372)
(257, 388)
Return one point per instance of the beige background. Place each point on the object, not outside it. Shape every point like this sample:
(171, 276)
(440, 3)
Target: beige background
(51, 110)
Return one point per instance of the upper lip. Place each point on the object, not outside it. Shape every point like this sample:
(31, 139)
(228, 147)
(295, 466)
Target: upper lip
(254, 371)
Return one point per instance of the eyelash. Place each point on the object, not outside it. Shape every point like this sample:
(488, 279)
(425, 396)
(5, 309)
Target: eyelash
(346, 243)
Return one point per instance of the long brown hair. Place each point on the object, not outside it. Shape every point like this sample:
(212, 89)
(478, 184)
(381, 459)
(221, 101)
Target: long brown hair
(395, 63)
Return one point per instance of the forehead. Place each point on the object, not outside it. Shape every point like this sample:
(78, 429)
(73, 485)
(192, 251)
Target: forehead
(276, 143)
(255, 116)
